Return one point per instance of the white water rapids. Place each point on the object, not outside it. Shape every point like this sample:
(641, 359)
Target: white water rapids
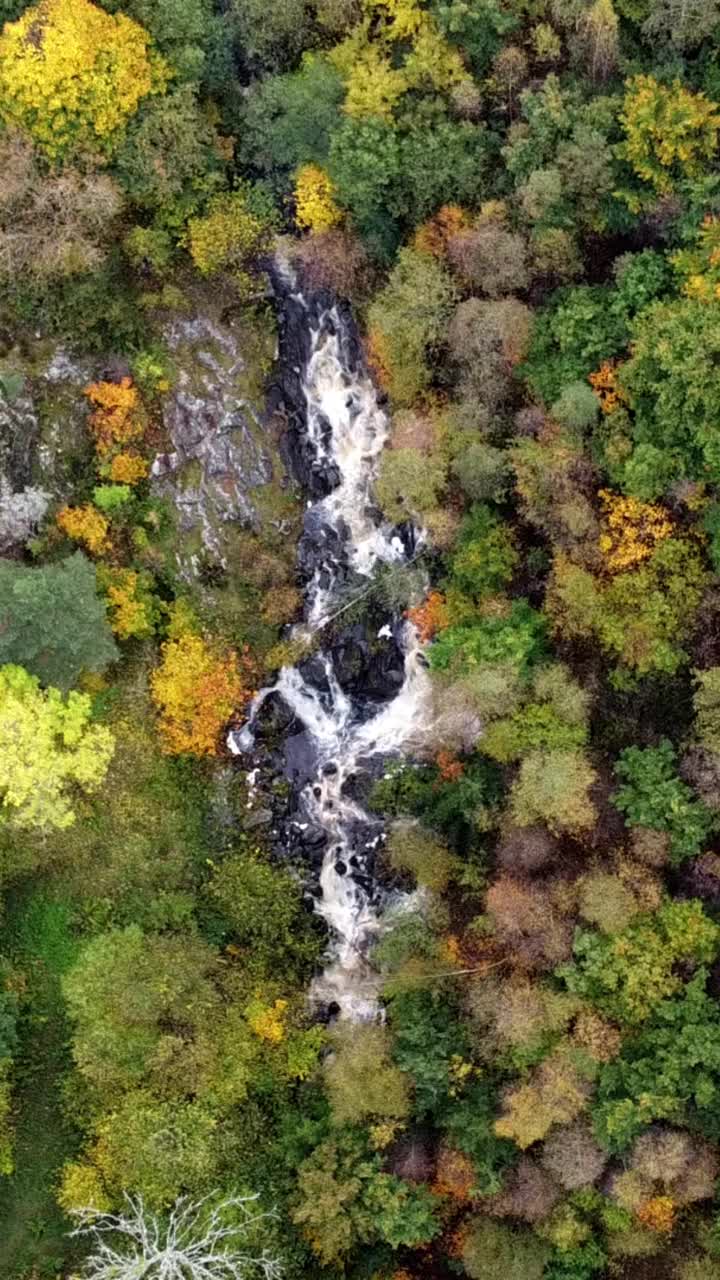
(347, 430)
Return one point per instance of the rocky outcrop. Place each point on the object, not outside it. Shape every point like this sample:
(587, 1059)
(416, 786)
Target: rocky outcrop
(43, 434)
(217, 457)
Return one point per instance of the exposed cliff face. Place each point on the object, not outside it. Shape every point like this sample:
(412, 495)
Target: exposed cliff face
(43, 437)
(218, 455)
(219, 469)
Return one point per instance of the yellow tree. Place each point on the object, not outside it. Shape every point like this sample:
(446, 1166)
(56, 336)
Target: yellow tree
(196, 690)
(671, 135)
(47, 749)
(72, 75)
(315, 206)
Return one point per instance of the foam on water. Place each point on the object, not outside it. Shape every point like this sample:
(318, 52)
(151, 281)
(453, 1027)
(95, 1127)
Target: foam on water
(347, 429)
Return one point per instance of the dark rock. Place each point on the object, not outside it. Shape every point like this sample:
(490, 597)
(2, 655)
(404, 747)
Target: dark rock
(274, 719)
(300, 758)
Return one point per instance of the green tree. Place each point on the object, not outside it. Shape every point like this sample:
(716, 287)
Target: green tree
(406, 317)
(492, 1251)
(170, 151)
(344, 1199)
(627, 975)
(486, 555)
(263, 910)
(361, 1080)
(288, 120)
(669, 1071)
(706, 701)
(640, 617)
(672, 380)
(143, 1146)
(52, 620)
(125, 994)
(554, 787)
(652, 795)
(48, 751)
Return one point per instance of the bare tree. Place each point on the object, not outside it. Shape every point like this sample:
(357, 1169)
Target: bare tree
(197, 1241)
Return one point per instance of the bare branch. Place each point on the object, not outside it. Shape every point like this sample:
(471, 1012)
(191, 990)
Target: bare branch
(198, 1240)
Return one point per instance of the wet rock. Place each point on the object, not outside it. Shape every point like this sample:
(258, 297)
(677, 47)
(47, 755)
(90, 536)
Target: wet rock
(300, 758)
(274, 719)
(313, 672)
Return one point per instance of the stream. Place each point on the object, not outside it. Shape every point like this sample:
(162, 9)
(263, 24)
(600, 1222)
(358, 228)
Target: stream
(337, 430)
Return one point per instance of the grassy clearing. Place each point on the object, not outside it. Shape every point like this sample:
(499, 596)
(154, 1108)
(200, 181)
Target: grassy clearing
(39, 940)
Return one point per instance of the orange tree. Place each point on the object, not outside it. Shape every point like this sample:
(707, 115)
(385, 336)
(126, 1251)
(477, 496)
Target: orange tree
(196, 690)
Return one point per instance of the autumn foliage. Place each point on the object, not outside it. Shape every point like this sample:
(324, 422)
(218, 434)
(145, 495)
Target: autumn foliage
(117, 418)
(434, 235)
(196, 690)
(631, 529)
(430, 617)
(315, 206)
(73, 75)
(87, 525)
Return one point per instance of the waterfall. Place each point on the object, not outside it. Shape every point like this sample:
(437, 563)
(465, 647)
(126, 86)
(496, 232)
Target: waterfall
(339, 431)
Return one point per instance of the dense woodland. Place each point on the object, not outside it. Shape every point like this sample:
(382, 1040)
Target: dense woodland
(521, 200)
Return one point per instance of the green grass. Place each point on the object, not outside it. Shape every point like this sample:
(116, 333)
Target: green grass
(33, 1231)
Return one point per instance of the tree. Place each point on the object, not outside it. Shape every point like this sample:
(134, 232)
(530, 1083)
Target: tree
(196, 690)
(489, 256)
(670, 135)
(288, 120)
(361, 1080)
(640, 616)
(553, 787)
(572, 1155)
(412, 848)
(653, 795)
(315, 207)
(197, 1240)
(344, 1199)
(52, 225)
(669, 1071)
(683, 23)
(492, 1251)
(72, 75)
(410, 314)
(229, 237)
(170, 150)
(47, 748)
(528, 923)
(626, 975)
(124, 994)
(672, 381)
(706, 702)
(52, 621)
(554, 1094)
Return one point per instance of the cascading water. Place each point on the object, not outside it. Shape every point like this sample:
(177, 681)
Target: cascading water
(340, 430)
